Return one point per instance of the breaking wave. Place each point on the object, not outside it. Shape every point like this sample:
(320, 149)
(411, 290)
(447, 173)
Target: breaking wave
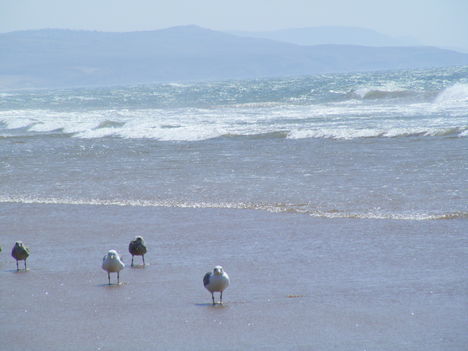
(454, 94)
(333, 121)
(349, 133)
(381, 93)
(378, 108)
(457, 93)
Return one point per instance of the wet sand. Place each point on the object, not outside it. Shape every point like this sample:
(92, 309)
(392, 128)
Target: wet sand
(297, 282)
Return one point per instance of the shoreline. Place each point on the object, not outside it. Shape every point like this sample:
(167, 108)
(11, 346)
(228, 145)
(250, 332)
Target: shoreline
(272, 208)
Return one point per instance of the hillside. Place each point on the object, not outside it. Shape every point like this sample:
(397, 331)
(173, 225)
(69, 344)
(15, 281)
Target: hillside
(63, 58)
(331, 35)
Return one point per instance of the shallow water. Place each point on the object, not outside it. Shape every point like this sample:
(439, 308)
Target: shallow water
(297, 282)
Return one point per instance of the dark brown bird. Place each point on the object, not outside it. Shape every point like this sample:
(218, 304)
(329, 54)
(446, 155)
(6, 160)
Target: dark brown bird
(137, 247)
(20, 253)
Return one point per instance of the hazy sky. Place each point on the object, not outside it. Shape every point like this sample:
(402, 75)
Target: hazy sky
(432, 22)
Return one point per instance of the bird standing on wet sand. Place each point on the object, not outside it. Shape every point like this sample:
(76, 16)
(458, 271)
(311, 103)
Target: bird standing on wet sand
(218, 280)
(137, 247)
(20, 253)
(112, 264)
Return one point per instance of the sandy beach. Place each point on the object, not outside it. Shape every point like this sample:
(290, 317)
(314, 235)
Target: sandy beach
(297, 282)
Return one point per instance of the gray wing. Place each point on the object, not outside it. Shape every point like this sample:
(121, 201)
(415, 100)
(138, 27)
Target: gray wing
(206, 279)
(131, 247)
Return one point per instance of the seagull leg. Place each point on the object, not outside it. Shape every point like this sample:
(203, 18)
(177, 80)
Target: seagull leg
(221, 298)
(212, 296)
(25, 268)
(132, 261)
(143, 260)
(108, 277)
(118, 278)
(17, 267)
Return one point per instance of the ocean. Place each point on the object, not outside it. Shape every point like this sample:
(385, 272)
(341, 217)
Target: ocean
(336, 203)
(390, 145)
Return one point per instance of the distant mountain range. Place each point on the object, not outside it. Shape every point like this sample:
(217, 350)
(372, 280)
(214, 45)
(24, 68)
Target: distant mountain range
(331, 35)
(65, 58)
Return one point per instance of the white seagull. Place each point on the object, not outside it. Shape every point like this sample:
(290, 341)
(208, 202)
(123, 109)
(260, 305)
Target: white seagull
(112, 264)
(218, 280)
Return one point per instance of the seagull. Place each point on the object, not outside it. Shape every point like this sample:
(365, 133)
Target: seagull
(20, 253)
(218, 280)
(112, 264)
(137, 248)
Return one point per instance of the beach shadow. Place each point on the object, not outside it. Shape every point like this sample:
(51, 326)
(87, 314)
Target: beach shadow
(139, 266)
(217, 305)
(295, 296)
(18, 271)
(112, 285)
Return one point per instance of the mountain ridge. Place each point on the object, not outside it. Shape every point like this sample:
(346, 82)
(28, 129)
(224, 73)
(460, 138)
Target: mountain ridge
(64, 58)
(341, 35)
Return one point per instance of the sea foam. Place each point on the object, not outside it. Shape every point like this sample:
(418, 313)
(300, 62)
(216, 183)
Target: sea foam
(266, 108)
(335, 121)
(457, 93)
(273, 208)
